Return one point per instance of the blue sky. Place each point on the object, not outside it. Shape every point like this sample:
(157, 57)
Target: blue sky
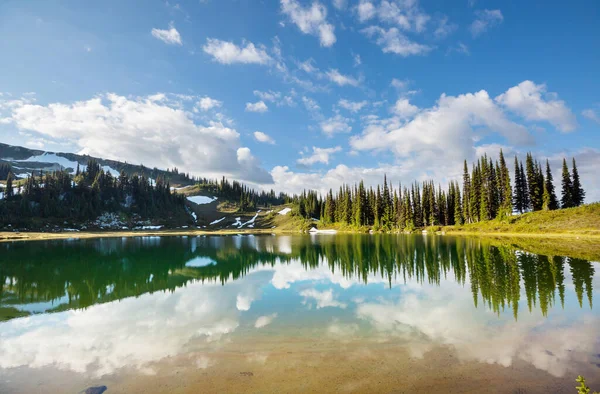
(339, 90)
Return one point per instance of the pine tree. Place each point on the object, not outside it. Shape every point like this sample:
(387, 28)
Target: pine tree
(505, 209)
(466, 213)
(458, 214)
(474, 197)
(535, 190)
(550, 200)
(9, 186)
(567, 187)
(578, 194)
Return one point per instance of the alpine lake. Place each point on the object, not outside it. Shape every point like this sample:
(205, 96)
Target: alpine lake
(295, 313)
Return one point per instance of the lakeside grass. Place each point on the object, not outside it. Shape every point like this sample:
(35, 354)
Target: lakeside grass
(580, 221)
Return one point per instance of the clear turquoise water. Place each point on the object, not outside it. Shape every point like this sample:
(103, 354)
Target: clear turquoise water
(98, 307)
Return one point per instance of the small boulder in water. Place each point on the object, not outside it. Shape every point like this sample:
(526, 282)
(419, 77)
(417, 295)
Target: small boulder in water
(95, 390)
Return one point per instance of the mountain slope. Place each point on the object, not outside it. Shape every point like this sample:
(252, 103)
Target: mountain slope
(24, 161)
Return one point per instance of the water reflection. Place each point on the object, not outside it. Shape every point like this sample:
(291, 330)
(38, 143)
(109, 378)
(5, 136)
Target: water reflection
(194, 295)
(62, 275)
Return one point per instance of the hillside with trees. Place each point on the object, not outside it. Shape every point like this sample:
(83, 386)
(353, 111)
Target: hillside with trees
(487, 193)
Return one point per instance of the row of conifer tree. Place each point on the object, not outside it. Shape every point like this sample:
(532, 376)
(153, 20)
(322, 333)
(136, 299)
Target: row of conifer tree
(87, 194)
(487, 192)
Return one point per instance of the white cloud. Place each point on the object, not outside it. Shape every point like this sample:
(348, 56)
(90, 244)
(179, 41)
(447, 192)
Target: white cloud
(485, 20)
(352, 106)
(404, 109)
(459, 48)
(323, 299)
(526, 100)
(400, 84)
(268, 96)
(206, 103)
(357, 60)
(259, 106)
(444, 28)
(443, 132)
(307, 66)
(155, 133)
(366, 10)
(406, 15)
(340, 4)
(319, 155)
(226, 52)
(170, 36)
(265, 320)
(393, 41)
(262, 137)
(275, 97)
(341, 79)
(336, 124)
(591, 114)
(310, 104)
(310, 20)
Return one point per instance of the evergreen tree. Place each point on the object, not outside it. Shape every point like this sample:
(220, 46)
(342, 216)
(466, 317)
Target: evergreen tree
(8, 193)
(578, 194)
(567, 187)
(458, 214)
(535, 188)
(466, 193)
(550, 200)
(506, 189)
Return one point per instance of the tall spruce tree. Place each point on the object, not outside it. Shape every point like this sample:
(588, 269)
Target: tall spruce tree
(578, 194)
(466, 193)
(566, 200)
(9, 192)
(535, 190)
(550, 200)
(506, 189)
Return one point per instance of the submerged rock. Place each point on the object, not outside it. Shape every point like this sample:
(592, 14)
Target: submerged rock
(95, 390)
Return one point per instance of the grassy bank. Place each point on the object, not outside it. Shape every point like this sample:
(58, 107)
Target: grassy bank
(581, 221)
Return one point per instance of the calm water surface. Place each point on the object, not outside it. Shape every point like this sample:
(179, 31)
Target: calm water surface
(324, 313)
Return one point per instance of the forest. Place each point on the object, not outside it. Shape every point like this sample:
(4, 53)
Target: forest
(486, 193)
(86, 195)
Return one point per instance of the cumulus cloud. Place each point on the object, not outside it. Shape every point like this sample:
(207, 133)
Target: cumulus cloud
(340, 79)
(407, 15)
(336, 124)
(226, 52)
(206, 103)
(262, 137)
(170, 36)
(533, 103)
(404, 109)
(365, 10)
(352, 106)
(159, 133)
(394, 41)
(323, 299)
(319, 155)
(310, 20)
(259, 106)
(442, 134)
(265, 320)
(485, 19)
